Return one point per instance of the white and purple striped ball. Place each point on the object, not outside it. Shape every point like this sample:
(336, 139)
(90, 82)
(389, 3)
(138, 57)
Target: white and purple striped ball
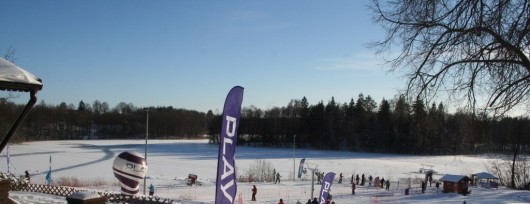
(130, 168)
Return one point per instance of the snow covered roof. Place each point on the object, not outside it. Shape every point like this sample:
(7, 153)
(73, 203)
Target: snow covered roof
(485, 175)
(84, 195)
(14, 78)
(454, 178)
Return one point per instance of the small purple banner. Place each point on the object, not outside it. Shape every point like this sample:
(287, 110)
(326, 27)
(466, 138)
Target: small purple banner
(326, 185)
(301, 168)
(226, 186)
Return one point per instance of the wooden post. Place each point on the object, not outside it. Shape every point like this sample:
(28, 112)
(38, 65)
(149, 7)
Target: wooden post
(4, 192)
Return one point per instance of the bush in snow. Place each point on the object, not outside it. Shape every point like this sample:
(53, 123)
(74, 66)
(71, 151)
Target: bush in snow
(259, 171)
(503, 170)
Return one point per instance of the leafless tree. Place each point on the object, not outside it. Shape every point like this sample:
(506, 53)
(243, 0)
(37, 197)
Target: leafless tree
(10, 56)
(475, 51)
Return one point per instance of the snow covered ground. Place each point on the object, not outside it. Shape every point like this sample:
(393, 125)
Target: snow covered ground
(170, 162)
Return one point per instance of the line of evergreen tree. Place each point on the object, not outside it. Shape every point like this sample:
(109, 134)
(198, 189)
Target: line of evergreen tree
(394, 126)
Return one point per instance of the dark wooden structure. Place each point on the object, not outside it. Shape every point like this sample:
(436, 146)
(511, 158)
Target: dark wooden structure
(4, 192)
(456, 184)
(191, 179)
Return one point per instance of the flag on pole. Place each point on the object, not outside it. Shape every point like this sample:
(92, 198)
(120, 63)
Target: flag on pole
(326, 185)
(226, 186)
(301, 168)
(49, 174)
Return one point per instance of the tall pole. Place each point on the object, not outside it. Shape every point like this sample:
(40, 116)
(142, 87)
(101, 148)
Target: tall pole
(294, 158)
(313, 170)
(146, 137)
(7, 156)
(312, 182)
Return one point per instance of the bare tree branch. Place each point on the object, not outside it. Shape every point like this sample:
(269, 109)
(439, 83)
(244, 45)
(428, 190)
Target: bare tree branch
(473, 48)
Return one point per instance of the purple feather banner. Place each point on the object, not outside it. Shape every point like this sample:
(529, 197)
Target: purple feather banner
(226, 186)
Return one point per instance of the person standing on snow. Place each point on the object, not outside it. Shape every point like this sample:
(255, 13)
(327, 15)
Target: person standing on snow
(151, 190)
(254, 191)
(277, 177)
(340, 178)
(363, 179)
(353, 188)
(27, 175)
(430, 180)
(388, 184)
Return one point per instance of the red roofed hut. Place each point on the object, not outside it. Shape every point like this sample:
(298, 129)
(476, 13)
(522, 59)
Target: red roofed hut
(456, 184)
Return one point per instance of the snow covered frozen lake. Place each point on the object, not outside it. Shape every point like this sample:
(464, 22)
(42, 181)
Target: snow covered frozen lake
(170, 162)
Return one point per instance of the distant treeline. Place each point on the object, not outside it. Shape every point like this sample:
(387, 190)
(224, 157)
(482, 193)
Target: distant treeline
(98, 121)
(395, 126)
(391, 127)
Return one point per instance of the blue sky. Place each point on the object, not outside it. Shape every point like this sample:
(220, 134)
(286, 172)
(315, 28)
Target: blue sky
(189, 54)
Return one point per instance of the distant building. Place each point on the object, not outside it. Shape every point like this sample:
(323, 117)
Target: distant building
(490, 180)
(456, 184)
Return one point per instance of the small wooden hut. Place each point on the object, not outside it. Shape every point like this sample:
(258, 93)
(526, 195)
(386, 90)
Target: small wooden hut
(456, 184)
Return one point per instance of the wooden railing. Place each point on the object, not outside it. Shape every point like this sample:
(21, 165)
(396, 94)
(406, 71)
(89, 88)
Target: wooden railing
(67, 191)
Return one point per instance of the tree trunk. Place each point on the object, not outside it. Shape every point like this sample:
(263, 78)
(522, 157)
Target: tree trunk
(515, 153)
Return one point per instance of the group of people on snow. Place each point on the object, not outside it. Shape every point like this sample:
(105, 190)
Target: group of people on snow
(354, 181)
(382, 183)
(276, 176)
(379, 183)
